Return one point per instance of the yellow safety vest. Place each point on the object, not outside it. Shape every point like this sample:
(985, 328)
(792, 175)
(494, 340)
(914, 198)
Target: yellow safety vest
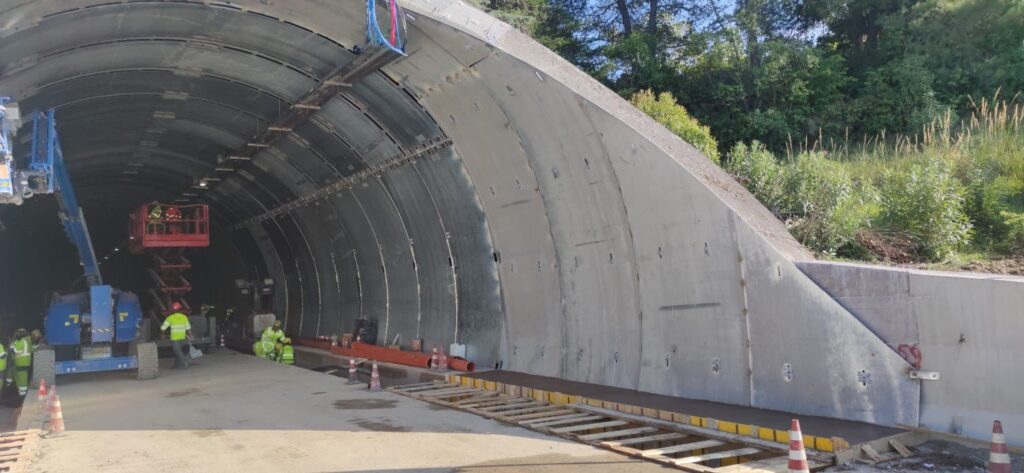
(3, 357)
(178, 323)
(288, 355)
(271, 335)
(22, 352)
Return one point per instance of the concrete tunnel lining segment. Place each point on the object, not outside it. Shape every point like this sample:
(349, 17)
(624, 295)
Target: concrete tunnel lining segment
(563, 232)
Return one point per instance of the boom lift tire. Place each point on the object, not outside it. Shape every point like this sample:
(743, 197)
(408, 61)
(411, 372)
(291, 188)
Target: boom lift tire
(149, 362)
(44, 366)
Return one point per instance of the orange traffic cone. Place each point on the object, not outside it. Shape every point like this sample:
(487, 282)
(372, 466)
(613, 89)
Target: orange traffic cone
(352, 378)
(434, 360)
(797, 455)
(56, 417)
(999, 456)
(42, 394)
(374, 379)
(50, 395)
(442, 361)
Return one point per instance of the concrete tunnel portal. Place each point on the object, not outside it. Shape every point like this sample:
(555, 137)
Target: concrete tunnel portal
(480, 190)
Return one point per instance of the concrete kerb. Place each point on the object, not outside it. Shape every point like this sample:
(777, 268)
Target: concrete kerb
(816, 442)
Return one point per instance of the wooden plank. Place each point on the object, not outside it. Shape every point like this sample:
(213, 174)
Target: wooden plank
(582, 428)
(477, 398)
(616, 433)
(447, 392)
(512, 407)
(489, 402)
(871, 453)
(540, 414)
(899, 447)
(649, 438)
(716, 456)
(528, 410)
(427, 388)
(567, 420)
(574, 415)
(410, 386)
(685, 447)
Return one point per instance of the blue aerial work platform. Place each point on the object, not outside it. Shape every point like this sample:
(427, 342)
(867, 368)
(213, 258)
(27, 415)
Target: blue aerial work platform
(86, 331)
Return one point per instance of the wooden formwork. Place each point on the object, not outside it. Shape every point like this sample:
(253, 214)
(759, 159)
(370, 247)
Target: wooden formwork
(635, 433)
(17, 450)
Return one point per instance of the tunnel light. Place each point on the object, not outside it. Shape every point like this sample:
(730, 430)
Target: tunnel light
(210, 179)
(190, 194)
(223, 169)
(239, 158)
(202, 183)
(253, 144)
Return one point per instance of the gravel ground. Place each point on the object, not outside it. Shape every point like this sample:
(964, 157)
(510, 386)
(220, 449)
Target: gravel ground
(935, 456)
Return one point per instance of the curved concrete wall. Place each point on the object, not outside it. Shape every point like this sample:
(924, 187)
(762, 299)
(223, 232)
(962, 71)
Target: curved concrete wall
(561, 233)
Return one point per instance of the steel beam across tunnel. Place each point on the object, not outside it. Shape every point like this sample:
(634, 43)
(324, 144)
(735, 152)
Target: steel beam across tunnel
(479, 190)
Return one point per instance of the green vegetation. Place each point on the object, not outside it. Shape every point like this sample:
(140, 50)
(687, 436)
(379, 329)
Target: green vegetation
(953, 188)
(854, 120)
(673, 116)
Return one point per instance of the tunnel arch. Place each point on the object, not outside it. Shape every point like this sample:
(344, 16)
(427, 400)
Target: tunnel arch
(480, 191)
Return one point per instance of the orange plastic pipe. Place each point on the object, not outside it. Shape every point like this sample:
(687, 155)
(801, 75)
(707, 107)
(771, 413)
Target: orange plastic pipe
(390, 355)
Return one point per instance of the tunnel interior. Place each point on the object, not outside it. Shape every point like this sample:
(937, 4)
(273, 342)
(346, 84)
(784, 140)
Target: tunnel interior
(153, 98)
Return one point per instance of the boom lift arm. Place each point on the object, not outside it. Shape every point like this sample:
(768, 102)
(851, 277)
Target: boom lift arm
(46, 174)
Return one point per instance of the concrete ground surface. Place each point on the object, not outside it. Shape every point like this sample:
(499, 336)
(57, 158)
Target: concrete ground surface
(233, 412)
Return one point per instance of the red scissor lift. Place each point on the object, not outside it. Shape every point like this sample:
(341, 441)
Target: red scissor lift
(165, 231)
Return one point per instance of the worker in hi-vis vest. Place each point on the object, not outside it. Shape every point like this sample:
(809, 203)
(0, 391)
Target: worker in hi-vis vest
(22, 350)
(181, 331)
(266, 347)
(285, 352)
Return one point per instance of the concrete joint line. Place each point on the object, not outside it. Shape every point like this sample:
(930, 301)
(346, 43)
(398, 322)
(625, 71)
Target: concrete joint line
(433, 146)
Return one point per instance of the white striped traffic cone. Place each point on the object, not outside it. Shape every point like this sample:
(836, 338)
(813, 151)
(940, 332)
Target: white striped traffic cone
(352, 376)
(42, 395)
(434, 360)
(56, 417)
(442, 361)
(797, 455)
(374, 379)
(999, 456)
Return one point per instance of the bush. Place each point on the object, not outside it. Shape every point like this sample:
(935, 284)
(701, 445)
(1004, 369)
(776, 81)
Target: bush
(826, 206)
(927, 202)
(822, 205)
(673, 116)
(760, 173)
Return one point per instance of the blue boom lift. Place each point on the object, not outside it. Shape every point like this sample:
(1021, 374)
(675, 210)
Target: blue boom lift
(88, 331)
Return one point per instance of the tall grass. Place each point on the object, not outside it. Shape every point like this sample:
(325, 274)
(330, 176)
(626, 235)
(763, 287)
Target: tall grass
(957, 185)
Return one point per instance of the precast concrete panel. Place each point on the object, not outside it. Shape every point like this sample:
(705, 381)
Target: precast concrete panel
(965, 326)
(480, 319)
(360, 131)
(370, 273)
(403, 299)
(493, 155)
(435, 276)
(693, 328)
(404, 119)
(810, 354)
(596, 267)
(167, 54)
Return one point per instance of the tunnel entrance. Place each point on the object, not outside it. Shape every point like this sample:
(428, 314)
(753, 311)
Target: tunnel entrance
(479, 192)
(324, 175)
